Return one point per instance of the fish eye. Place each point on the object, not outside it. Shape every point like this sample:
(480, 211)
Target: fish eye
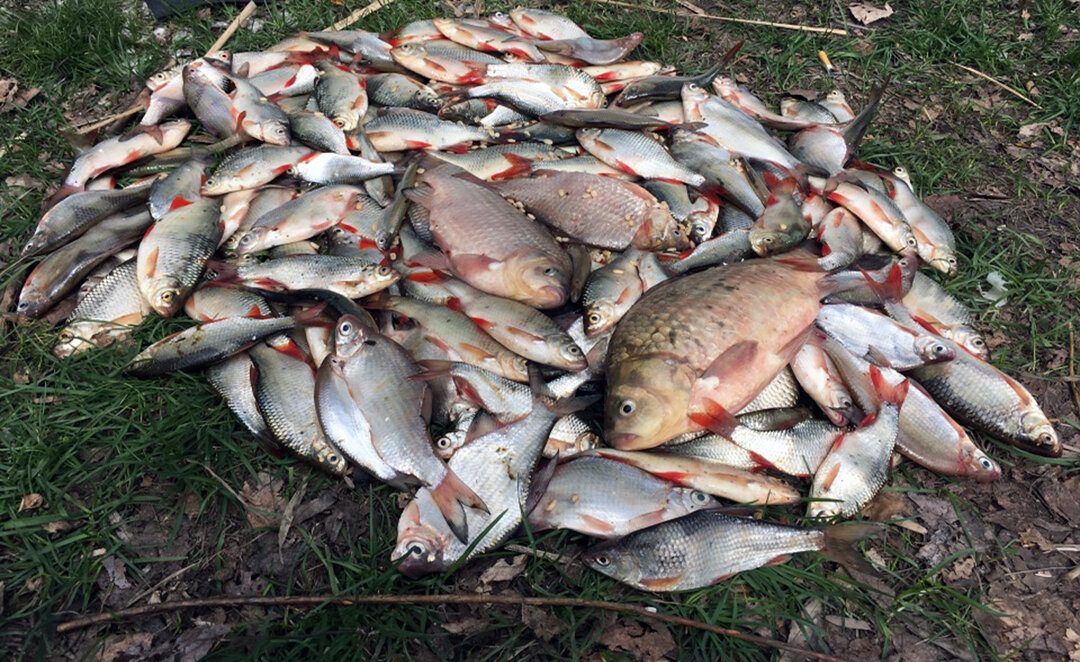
(168, 295)
(345, 328)
(573, 349)
(627, 407)
(339, 122)
(910, 241)
(443, 442)
(291, 171)
(65, 336)
(952, 260)
(416, 550)
(550, 271)
(693, 87)
(978, 342)
(210, 182)
(940, 349)
(602, 560)
(594, 318)
(383, 270)
(1046, 439)
(986, 463)
(699, 497)
(246, 239)
(332, 459)
(767, 239)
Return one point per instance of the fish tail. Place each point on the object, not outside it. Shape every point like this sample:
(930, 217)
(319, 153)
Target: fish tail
(894, 393)
(451, 495)
(839, 544)
(433, 369)
(313, 316)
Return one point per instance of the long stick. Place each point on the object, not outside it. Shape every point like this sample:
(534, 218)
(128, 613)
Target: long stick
(244, 14)
(359, 14)
(1010, 90)
(108, 120)
(453, 598)
(840, 32)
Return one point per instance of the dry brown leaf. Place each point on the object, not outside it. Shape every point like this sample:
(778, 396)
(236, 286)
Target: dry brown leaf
(543, 623)
(126, 647)
(264, 501)
(31, 501)
(849, 623)
(58, 526)
(33, 584)
(1029, 131)
(961, 569)
(502, 570)
(466, 625)
(117, 572)
(866, 13)
(1033, 537)
(22, 181)
(641, 641)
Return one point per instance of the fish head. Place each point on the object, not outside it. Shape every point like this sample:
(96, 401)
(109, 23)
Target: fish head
(539, 280)
(836, 96)
(427, 98)
(613, 560)
(218, 185)
(941, 258)
(693, 96)
(350, 335)
(971, 340)
(1039, 432)
(410, 53)
(166, 295)
(252, 240)
(933, 350)
(346, 121)
(515, 365)
(724, 86)
(981, 466)
(275, 132)
(824, 509)
(599, 317)
(420, 547)
(687, 500)
(447, 445)
(664, 230)
(329, 458)
(573, 358)
(647, 401)
(71, 340)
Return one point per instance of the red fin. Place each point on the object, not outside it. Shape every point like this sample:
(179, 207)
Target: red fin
(679, 477)
(714, 418)
(311, 316)
(460, 148)
(522, 333)
(483, 323)
(893, 287)
(519, 165)
(179, 202)
(831, 476)
(291, 349)
(450, 495)
(425, 277)
(662, 583)
(454, 304)
(733, 360)
(889, 393)
(151, 261)
(255, 312)
(597, 525)
(763, 462)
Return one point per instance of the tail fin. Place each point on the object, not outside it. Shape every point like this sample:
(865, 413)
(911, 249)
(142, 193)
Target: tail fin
(894, 393)
(451, 496)
(892, 289)
(840, 541)
(313, 316)
(433, 369)
(853, 133)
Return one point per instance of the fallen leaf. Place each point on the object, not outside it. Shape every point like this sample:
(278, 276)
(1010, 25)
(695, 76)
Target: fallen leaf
(192, 645)
(1029, 131)
(191, 505)
(849, 623)
(126, 647)
(264, 501)
(960, 569)
(31, 501)
(57, 526)
(866, 13)
(863, 47)
(502, 570)
(1032, 537)
(33, 584)
(638, 639)
(117, 572)
(543, 623)
(22, 181)
(466, 625)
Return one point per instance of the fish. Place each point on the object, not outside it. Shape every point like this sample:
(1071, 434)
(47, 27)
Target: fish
(60, 273)
(400, 129)
(503, 161)
(251, 167)
(208, 303)
(488, 242)
(546, 25)
(318, 131)
(107, 313)
(612, 289)
(284, 388)
(932, 306)
(286, 81)
(174, 251)
(208, 343)
(637, 154)
(593, 51)
(341, 96)
(661, 88)
(596, 210)
(301, 218)
(708, 476)
(870, 334)
(858, 462)
(608, 499)
(423, 545)
(706, 547)
(723, 249)
(350, 277)
(234, 382)
(445, 64)
(325, 168)
(401, 91)
(783, 391)
(781, 225)
(570, 435)
(119, 151)
(486, 39)
(669, 364)
(375, 371)
(818, 376)
(74, 215)
(926, 433)
(183, 182)
(797, 450)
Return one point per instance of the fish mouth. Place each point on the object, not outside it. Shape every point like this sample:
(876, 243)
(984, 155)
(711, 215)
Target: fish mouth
(625, 441)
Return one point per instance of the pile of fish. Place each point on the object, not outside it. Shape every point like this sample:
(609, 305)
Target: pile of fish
(427, 254)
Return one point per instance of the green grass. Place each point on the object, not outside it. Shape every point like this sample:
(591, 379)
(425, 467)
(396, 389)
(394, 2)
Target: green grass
(104, 450)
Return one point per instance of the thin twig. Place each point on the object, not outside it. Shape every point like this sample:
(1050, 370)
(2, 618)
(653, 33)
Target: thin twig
(453, 598)
(539, 554)
(244, 14)
(109, 120)
(728, 19)
(1072, 369)
(359, 14)
(995, 81)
